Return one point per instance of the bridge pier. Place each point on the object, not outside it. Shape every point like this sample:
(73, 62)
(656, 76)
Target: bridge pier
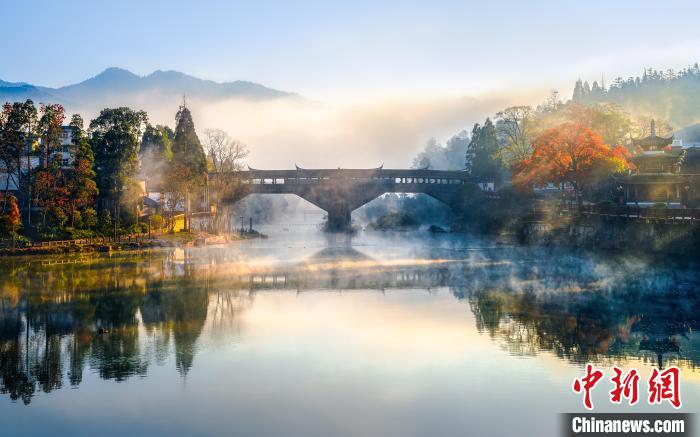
(338, 219)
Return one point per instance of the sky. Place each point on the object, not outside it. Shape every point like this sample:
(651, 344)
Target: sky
(382, 77)
(338, 50)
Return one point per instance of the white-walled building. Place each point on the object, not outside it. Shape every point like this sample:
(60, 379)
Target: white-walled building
(65, 154)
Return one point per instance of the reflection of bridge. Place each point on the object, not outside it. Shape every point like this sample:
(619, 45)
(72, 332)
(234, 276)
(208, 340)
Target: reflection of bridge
(340, 191)
(344, 268)
(420, 278)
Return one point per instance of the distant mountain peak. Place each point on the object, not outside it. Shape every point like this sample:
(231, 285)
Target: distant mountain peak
(117, 70)
(114, 73)
(123, 85)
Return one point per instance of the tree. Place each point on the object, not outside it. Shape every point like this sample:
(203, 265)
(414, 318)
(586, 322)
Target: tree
(515, 126)
(10, 219)
(586, 89)
(115, 136)
(472, 148)
(156, 150)
(455, 148)
(641, 127)
(18, 135)
(223, 155)
(50, 126)
(82, 187)
(189, 164)
(482, 153)
(578, 91)
(608, 119)
(569, 153)
(50, 188)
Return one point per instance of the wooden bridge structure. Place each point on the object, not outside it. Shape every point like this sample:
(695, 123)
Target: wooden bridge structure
(341, 191)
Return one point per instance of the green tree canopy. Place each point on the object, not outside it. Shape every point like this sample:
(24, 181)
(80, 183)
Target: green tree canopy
(18, 132)
(81, 183)
(482, 153)
(156, 144)
(115, 136)
(189, 159)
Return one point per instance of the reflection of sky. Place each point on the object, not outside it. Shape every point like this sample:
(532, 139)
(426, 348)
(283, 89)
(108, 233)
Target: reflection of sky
(407, 362)
(350, 362)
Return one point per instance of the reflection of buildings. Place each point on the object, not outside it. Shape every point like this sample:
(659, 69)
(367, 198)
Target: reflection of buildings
(64, 155)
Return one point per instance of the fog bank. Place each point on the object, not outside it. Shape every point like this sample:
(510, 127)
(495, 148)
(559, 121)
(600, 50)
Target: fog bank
(287, 131)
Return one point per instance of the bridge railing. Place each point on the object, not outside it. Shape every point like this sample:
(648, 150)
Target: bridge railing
(672, 215)
(321, 176)
(315, 181)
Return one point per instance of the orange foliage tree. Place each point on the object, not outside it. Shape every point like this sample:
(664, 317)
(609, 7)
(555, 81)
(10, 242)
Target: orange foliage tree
(569, 153)
(10, 219)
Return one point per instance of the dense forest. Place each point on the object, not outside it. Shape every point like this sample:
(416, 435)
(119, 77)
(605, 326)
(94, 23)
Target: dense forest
(670, 95)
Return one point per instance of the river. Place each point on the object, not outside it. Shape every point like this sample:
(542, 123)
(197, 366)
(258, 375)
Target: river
(313, 335)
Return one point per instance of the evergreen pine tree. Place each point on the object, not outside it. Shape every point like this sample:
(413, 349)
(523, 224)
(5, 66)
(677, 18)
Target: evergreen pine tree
(81, 185)
(482, 153)
(586, 89)
(189, 163)
(578, 91)
(471, 149)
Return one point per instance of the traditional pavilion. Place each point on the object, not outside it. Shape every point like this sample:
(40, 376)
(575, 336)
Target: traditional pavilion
(657, 176)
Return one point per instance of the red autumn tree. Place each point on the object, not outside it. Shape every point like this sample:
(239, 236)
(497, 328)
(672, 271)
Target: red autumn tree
(10, 219)
(569, 153)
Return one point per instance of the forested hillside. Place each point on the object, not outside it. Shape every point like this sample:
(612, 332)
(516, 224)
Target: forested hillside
(673, 96)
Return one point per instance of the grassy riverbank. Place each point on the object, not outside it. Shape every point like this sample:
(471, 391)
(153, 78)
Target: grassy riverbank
(178, 239)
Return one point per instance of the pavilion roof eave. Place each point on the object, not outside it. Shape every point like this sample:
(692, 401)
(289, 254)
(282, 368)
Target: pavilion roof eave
(652, 141)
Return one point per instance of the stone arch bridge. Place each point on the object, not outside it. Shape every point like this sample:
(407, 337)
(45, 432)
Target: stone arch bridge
(341, 191)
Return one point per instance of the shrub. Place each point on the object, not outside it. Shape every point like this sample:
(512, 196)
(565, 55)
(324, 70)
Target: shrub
(59, 215)
(77, 219)
(74, 234)
(22, 241)
(89, 218)
(157, 221)
(105, 224)
(138, 228)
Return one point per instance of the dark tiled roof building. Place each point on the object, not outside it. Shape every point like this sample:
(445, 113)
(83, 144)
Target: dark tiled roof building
(658, 175)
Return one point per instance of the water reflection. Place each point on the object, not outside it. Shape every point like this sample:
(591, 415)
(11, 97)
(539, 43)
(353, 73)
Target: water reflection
(117, 316)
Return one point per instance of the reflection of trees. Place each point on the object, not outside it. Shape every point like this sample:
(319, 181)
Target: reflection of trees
(228, 305)
(633, 317)
(76, 315)
(179, 313)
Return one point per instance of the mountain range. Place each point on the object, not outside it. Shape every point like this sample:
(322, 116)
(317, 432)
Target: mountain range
(117, 84)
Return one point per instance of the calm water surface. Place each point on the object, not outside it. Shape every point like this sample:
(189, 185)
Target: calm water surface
(314, 336)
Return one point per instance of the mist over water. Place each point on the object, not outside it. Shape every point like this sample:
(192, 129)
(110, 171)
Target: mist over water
(308, 334)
